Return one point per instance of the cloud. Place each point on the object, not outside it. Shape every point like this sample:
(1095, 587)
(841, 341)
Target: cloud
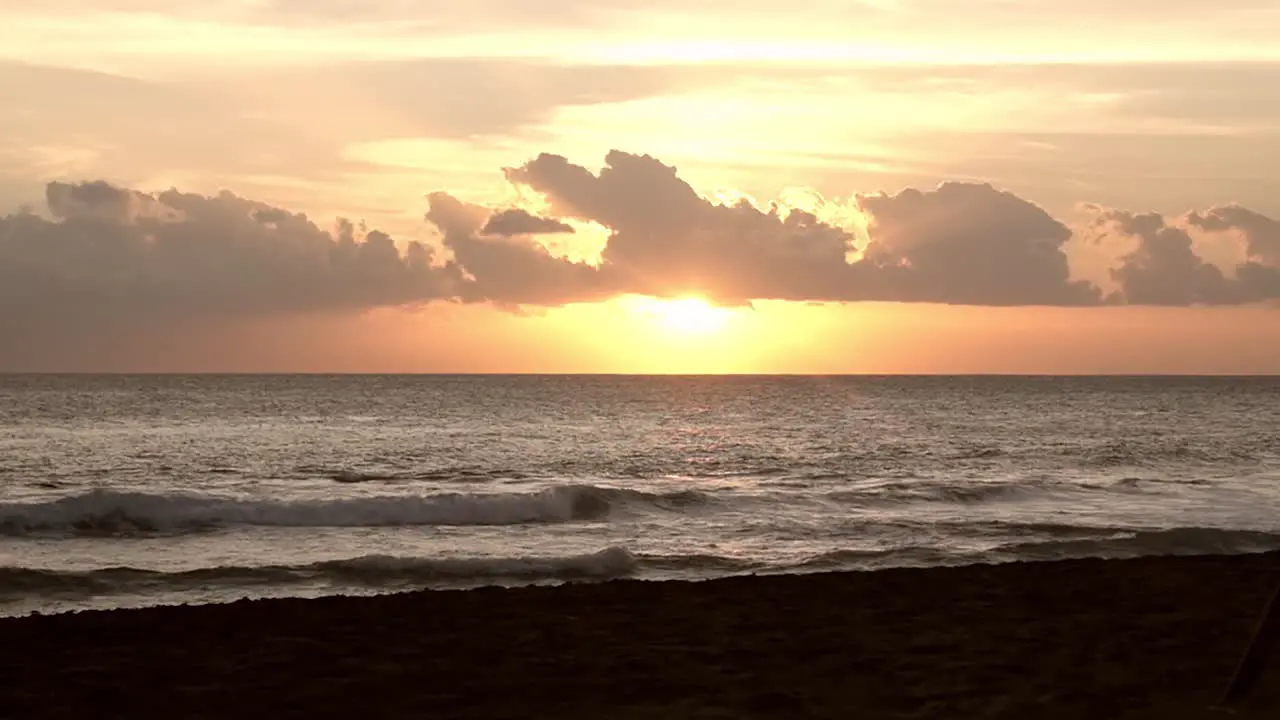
(520, 222)
(510, 271)
(423, 97)
(969, 244)
(130, 129)
(1259, 275)
(429, 17)
(1195, 93)
(665, 240)
(961, 243)
(232, 126)
(1261, 233)
(114, 259)
(1164, 269)
(107, 262)
(445, 16)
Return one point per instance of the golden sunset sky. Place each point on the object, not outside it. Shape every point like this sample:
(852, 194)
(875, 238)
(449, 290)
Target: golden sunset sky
(884, 186)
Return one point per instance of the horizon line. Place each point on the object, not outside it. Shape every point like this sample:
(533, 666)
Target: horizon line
(166, 373)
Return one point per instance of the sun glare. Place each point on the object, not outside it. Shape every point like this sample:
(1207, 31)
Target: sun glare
(685, 316)
(694, 315)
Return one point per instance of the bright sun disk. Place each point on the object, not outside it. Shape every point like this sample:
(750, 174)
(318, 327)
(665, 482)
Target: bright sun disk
(693, 316)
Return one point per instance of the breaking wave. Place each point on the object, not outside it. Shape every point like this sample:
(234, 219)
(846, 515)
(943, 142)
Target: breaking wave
(387, 572)
(376, 571)
(872, 559)
(112, 513)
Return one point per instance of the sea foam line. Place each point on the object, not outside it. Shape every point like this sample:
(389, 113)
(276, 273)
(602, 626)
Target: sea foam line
(368, 571)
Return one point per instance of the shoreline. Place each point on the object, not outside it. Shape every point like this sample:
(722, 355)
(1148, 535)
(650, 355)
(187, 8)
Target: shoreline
(1145, 637)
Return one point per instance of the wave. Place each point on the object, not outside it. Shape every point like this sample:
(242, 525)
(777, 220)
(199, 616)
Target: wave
(1140, 454)
(980, 452)
(452, 475)
(872, 559)
(970, 493)
(352, 477)
(1059, 542)
(1135, 482)
(113, 513)
(702, 564)
(387, 572)
(1139, 543)
(375, 571)
(1049, 531)
(980, 492)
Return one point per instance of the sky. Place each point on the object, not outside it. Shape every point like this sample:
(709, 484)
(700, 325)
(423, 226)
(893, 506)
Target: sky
(617, 186)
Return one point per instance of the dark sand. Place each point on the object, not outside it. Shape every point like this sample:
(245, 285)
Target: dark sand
(1150, 638)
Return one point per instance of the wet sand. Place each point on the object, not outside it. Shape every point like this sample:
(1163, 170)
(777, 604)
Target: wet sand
(1148, 638)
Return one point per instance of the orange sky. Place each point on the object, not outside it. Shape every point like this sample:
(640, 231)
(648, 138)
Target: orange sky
(1039, 186)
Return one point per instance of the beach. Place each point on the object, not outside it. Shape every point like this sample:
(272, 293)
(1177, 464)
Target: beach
(1140, 638)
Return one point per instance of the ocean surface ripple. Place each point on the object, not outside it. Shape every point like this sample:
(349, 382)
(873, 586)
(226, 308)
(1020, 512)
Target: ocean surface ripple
(124, 490)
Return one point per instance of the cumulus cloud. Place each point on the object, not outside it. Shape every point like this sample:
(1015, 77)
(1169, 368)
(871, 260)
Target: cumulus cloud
(520, 222)
(665, 240)
(112, 257)
(1259, 276)
(107, 259)
(1261, 234)
(961, 243)
(967, 243)
(509, 271)
(1164, 269)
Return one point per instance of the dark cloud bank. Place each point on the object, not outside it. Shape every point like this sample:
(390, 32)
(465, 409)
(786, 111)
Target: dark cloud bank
(116, 258)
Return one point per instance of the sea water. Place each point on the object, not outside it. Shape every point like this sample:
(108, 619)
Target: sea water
(134, 490)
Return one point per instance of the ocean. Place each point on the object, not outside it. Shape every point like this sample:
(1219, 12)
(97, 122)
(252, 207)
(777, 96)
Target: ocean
(120, 491)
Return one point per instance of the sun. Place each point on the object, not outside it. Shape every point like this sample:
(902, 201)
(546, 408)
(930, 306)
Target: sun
(684, 316)
(694, 315)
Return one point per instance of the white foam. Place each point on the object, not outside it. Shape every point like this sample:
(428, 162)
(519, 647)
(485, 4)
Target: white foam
(369, 571)
(611, 562)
